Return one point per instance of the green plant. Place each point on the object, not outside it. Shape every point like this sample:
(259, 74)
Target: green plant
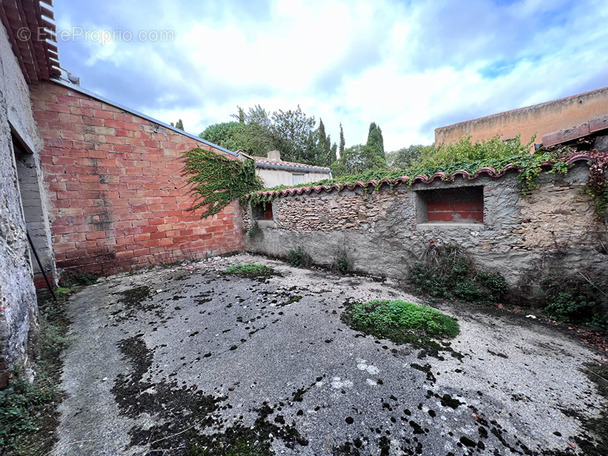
(570, 308)
(299, 258)
(28, 411)
(447, 272)
(255, 232)
(249, 270)
(342, 261)
(71, 279)
(597, 186)
(216, 181)
(400, 321)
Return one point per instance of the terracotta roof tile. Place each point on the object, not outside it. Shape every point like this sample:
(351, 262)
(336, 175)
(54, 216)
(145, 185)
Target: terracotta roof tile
(485, 171)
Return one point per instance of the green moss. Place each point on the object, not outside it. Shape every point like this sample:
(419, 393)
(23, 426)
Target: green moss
(400, 321)
(250, 270)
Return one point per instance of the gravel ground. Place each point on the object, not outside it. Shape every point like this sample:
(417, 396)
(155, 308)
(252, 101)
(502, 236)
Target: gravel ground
(186, 360)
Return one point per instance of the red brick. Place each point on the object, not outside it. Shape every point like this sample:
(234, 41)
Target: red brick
(56, 107)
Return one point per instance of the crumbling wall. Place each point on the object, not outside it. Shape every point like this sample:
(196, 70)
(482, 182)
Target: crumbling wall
(117, 196)
(384, 234)
(17, 294)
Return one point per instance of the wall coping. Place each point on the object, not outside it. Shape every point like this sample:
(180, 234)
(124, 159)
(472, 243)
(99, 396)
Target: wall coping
(421, 178)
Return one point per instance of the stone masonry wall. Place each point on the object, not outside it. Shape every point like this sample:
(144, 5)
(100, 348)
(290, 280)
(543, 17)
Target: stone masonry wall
(18, 306)
(117, 195)
(382, 234)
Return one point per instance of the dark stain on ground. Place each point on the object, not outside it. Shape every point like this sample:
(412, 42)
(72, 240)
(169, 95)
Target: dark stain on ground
(426, 369)
(187, 415)
(133, 300)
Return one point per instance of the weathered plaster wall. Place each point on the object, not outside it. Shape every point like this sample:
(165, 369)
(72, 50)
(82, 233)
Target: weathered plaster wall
(276, 177)
(17, 294)
(383, 236)
(533, 120)
(117, 195)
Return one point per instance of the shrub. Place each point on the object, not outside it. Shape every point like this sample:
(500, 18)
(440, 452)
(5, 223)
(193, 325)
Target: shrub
(447, 272)
(299, 258)
(400, 321)
(569, 308)
(250, 270)
(342, 261)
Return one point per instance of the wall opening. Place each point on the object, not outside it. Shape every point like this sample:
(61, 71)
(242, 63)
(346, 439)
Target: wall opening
(262, 211)
(454, 205)
(36, 222)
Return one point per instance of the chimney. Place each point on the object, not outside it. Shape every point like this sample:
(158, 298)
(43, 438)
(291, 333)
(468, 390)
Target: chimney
(274, 155)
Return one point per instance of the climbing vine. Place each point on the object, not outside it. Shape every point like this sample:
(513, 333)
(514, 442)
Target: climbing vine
(529, 167)
(216, 181)
(597, 186)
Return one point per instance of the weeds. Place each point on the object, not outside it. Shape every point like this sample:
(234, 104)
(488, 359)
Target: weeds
(70, 279)
(256, 232)
(299, 258)
(342, 261)
(400, 321)
(448, 273)
(250, 270)
(28, 411)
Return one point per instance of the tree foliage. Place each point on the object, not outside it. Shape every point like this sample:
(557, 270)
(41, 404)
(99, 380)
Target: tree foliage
(360, 158)
(179, 124)
(405, 157)
(342, 142)
(226, 135)
(375, 140)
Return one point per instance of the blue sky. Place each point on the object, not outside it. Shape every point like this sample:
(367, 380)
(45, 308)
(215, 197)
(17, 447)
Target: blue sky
(410, 66)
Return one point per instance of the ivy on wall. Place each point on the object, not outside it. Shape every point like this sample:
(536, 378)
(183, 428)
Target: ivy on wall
(216, 181)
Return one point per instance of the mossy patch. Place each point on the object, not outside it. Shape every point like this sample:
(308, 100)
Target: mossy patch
(251, 270)
(400, 321)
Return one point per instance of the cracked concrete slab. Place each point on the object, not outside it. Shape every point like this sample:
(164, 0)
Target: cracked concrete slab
(187, 360)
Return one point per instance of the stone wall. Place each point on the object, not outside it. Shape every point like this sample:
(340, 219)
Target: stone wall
(117, 197)
(533, 120)
(18, 307)
(384, 232)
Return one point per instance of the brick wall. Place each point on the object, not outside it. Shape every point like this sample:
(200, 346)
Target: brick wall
(117, 198)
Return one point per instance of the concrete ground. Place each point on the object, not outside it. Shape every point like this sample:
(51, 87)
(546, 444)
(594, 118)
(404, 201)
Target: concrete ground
(189, 361)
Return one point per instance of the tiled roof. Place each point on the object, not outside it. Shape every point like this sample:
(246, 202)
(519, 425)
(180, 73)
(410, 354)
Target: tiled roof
(263, 162)
(485, 171)
(594, 126)
(33, 37)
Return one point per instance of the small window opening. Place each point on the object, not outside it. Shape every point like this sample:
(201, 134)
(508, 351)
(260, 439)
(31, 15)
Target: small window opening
(263, 211)
(454, 205)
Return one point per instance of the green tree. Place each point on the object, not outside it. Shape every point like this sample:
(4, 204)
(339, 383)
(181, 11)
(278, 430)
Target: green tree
(325, 153)
(342, 141)
(291, 132)
(358, 159)
(375, 140)
(226, 135)
(179, 124)
(405, 157)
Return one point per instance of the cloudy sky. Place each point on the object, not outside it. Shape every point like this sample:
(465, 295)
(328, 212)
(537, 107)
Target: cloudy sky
(410, 66)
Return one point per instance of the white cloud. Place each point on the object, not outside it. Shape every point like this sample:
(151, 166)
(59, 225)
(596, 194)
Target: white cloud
(409, 66)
